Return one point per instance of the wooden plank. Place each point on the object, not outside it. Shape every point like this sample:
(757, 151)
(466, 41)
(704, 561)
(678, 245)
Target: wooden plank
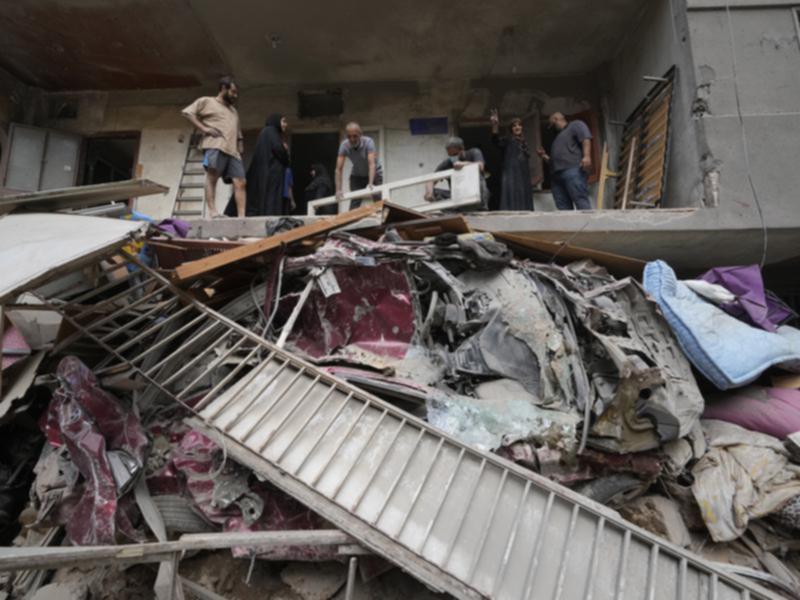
(633, 155)
(16, 558)
(628, 174)
(419, 229)
(395, 213)
(605, 174)
(206, 265)
(198, 244)
(545, 250)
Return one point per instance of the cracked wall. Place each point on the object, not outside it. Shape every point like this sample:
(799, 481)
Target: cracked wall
(748, 60)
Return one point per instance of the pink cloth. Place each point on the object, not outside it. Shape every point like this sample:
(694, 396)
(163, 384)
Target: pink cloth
(774, 411)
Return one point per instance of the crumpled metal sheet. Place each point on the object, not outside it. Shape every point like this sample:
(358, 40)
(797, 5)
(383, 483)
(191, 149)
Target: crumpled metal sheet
(744, 475)
(220, 491)
(225, 495)
(645, 392)
(371, 321)
(92, 424)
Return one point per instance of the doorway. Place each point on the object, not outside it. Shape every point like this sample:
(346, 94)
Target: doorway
(307, 149)
(480, 136)
(108, 158)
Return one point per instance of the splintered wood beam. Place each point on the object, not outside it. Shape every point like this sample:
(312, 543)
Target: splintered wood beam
(202, 266)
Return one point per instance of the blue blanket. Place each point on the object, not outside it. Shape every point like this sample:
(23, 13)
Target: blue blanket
(729, 352)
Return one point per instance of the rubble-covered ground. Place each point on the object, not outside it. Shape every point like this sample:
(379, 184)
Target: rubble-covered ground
(672, 401)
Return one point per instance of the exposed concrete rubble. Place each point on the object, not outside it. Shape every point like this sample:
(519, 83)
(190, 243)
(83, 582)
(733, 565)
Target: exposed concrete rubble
(128, 408)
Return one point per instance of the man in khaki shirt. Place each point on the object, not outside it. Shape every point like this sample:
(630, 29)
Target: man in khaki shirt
(216, 118)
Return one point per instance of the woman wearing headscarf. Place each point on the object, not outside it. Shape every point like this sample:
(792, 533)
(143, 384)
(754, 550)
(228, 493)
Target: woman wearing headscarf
(321, 186)
(516, 189)
(267, 171)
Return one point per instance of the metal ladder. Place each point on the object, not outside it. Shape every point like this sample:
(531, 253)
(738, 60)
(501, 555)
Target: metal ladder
(187, 202)
(463, 521)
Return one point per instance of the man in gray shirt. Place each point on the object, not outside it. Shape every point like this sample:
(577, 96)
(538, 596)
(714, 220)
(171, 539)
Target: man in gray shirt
(570, 160)
(367, 170)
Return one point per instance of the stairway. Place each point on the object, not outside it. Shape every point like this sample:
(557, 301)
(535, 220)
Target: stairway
(189, 200)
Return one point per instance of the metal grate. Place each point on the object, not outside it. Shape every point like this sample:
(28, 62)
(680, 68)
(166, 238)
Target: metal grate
(644, 157)
(460, 520)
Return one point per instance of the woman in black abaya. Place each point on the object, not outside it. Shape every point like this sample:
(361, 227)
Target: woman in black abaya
(321, 186)
(267, 171)
(517, 191)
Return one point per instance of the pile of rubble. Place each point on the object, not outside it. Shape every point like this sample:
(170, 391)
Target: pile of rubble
(404, 390)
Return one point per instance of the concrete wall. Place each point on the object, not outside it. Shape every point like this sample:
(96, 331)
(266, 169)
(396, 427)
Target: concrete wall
(748, 60)
(388, 105)
(658, 41)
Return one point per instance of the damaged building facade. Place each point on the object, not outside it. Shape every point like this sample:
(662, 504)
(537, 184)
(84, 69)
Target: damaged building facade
(399, 399)
(732, 126)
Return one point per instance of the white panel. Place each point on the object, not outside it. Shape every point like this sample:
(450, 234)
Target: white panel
(32, 245)
(61, 157)
(25, 158)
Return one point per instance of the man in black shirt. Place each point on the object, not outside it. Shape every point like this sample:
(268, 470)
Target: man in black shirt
(458, 158)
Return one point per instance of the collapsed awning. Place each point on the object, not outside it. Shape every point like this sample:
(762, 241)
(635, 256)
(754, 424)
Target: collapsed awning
(34, 247)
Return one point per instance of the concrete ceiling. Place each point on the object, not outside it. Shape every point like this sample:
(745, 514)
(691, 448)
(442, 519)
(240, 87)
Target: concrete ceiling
(122, 44)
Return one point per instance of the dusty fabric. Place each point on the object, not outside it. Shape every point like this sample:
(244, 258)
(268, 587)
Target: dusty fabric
(223, 117)
(176, 227)
(744, 475)
(496, 351)
(660, 516)
(516, 190)
(727, 351)
(774, 411)
(536, 315)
